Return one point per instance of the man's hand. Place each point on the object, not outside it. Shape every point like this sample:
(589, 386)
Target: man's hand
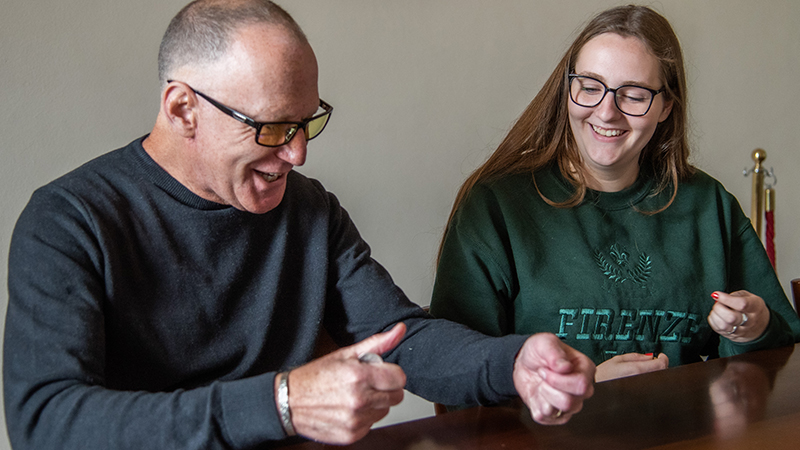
(739, 316)
(336, 399)
(629, 364)
(552, 378)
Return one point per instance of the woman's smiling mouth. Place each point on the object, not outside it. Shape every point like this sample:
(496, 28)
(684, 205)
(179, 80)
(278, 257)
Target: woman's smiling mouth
(606, 132)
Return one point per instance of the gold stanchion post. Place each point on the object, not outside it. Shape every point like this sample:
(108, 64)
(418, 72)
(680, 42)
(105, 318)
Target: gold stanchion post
(757, 199)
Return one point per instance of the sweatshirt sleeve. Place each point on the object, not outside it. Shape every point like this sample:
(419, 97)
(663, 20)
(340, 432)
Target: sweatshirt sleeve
(474, 282)
(56, 394)
(750, 270)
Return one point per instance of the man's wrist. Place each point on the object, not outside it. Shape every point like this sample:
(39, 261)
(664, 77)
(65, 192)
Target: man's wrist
(283, 404)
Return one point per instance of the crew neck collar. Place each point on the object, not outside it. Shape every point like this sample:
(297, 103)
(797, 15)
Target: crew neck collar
(611, 201)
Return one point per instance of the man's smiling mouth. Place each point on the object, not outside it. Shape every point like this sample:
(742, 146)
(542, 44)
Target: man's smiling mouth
(269, 177)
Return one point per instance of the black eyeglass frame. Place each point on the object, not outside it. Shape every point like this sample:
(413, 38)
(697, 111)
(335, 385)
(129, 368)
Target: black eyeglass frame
(653, 93)
(259, 125)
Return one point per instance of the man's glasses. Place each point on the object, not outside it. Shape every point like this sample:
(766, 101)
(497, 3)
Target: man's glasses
(276, 134)
(631, 100)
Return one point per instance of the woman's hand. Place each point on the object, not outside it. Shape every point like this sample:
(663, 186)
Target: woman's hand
(739, 316)
(630, 364)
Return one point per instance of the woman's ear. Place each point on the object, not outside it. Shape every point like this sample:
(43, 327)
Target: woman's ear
(667, 108)
(179, 104)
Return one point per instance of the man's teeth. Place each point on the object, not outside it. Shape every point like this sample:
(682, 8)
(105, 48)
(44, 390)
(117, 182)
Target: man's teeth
(270, 177)
(605, 132)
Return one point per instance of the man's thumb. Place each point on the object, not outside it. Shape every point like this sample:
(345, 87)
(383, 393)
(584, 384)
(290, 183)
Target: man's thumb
(382, 342)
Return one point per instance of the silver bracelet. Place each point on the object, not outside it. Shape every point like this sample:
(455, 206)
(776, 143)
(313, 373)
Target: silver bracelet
(283, 404)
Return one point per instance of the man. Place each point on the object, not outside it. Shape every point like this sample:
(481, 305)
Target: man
(170, 294)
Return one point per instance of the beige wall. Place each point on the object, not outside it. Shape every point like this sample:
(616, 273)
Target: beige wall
(423, 90)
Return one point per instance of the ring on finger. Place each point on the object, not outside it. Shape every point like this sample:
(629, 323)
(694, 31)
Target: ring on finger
(559, 413)
(744, 320)
(733, 331)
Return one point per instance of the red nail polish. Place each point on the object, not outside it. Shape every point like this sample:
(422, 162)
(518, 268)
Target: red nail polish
(648, 354)
(714, 295)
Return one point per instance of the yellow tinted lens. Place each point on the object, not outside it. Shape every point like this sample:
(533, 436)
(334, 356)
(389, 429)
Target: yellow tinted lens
(276, 134)
(316, 126)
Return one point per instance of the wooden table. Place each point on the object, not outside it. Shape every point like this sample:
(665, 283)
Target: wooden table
(745, 402)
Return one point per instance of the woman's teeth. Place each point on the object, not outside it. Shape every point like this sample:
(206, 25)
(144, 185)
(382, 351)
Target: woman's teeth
(605, 132)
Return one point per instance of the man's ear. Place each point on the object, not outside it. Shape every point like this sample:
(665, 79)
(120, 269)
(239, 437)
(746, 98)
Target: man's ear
(179, 105)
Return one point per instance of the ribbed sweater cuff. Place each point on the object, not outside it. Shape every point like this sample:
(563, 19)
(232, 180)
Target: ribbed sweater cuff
(249, 414)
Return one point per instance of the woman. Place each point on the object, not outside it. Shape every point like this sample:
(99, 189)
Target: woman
(589, 222)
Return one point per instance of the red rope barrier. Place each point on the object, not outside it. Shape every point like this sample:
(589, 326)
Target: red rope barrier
(770, 236)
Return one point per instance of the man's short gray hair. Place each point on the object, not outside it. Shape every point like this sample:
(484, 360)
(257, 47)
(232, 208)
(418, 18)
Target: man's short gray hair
(200, 33)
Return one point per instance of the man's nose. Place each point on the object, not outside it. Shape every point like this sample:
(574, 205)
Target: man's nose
(294, 152)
